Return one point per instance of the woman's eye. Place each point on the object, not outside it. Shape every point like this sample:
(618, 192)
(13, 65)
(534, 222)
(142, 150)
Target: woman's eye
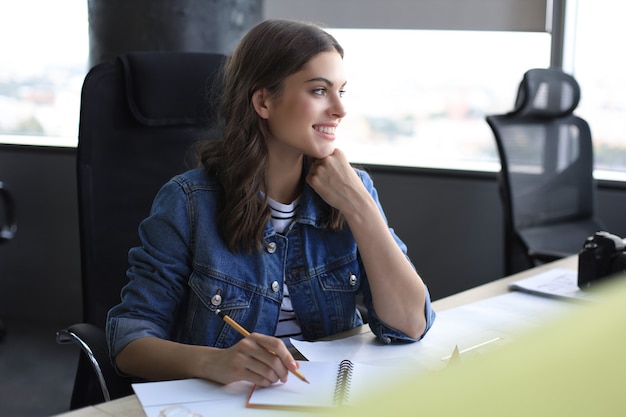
(322, 92)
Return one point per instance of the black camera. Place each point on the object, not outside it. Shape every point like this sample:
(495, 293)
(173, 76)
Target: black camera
(602, 256)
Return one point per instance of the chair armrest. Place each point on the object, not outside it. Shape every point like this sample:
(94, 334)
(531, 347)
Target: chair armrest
(92, 341)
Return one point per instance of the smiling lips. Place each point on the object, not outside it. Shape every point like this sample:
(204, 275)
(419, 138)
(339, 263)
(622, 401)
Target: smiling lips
(327, 131)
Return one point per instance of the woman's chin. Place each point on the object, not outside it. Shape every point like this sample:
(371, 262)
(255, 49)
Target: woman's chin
(325, 151)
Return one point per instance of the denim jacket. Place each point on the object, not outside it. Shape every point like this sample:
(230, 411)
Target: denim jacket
(184, 271)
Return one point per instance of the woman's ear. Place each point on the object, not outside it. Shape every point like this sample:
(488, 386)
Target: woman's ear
(259, 101)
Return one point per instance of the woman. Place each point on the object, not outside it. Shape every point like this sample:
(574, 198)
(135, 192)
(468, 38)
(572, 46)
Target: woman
(275, 214)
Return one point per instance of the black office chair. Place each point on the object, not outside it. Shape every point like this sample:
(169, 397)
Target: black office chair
(140, 117)
(546, 178)
(7, 229)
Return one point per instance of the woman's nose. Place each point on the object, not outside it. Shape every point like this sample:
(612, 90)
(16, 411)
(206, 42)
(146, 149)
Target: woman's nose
(337, 108)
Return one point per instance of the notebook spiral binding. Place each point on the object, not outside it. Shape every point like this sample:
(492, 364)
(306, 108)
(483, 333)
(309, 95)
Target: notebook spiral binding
(344, 377)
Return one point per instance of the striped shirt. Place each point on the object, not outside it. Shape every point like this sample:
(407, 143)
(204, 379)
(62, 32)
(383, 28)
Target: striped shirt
(288, 326)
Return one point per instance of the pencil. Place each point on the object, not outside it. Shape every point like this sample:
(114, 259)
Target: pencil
(246, 333)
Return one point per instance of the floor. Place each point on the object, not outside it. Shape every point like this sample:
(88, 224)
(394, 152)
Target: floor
(36, 374)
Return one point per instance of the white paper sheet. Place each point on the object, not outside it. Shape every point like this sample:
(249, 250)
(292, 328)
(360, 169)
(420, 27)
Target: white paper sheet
(503, 318)
(198, 395)
(558, 282)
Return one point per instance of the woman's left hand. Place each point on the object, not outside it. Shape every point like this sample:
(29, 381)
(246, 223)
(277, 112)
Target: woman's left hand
(334, 179)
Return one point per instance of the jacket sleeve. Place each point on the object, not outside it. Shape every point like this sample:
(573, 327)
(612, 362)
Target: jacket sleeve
(158, 273)
(383, 332)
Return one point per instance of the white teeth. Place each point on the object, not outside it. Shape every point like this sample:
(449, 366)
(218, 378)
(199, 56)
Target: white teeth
(324, 129)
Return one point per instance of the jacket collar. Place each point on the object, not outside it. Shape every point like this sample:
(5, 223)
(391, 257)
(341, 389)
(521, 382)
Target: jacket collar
(313, 210)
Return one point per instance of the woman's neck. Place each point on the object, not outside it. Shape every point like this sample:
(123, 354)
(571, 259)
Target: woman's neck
(284, 180)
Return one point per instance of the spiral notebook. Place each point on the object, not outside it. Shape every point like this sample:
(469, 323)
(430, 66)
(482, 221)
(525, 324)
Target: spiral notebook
(331, 384)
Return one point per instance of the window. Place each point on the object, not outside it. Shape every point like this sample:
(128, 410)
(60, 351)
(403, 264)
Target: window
(415, 97)
(420, 97)
(598, 66)
(45, 54)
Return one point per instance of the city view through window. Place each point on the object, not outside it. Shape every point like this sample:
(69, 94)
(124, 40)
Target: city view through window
(414, 98)
(45, 49)
(419, 98)
(598, 65)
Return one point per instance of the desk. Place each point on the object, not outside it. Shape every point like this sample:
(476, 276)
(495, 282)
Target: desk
(129, 406)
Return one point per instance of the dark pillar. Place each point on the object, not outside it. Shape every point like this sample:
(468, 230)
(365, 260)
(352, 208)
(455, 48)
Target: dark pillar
(557, 30)
(119, 26)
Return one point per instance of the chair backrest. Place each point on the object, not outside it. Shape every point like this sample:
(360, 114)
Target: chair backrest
(7, 210)
(140, 116)
(545, 153)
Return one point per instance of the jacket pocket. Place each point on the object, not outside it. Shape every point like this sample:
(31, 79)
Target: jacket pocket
(341, 275)
(207, 294)
(220, 292)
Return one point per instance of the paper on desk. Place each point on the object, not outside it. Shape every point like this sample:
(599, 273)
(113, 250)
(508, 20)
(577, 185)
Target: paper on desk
(198, 395)
(558, 282)
(180, 391)
(503, 317)
(204, 398)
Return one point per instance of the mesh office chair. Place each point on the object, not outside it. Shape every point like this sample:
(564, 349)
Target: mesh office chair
(546, 178)
(140, 116)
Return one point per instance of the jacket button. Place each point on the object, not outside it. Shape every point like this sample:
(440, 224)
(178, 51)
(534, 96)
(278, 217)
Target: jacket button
(216, 300)
(352, 280)
(275, 286)
(271, 247)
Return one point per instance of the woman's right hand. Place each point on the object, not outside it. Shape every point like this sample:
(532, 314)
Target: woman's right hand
(258, 358)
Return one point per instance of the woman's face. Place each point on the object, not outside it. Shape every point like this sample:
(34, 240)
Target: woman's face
(303, 118)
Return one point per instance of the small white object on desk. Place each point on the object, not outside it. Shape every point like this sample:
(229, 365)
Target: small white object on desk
(558, 282)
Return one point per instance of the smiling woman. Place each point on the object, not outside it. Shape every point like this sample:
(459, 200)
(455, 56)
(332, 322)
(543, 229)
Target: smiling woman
(280, 105)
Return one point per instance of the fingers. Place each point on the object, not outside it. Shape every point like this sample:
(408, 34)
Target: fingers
(336, 159)
(334, 167)
(334, 179)
(262, 360)
(275, 354)
(322, 170)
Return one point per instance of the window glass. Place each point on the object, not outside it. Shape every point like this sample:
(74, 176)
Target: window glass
(45, 49)
(420, 97)
(415, 97)
(599, 68)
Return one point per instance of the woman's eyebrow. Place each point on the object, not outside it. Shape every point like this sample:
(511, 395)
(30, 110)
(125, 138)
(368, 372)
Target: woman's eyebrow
(324, 80)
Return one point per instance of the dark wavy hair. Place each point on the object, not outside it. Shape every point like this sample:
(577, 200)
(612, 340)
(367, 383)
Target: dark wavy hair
(268, 54)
